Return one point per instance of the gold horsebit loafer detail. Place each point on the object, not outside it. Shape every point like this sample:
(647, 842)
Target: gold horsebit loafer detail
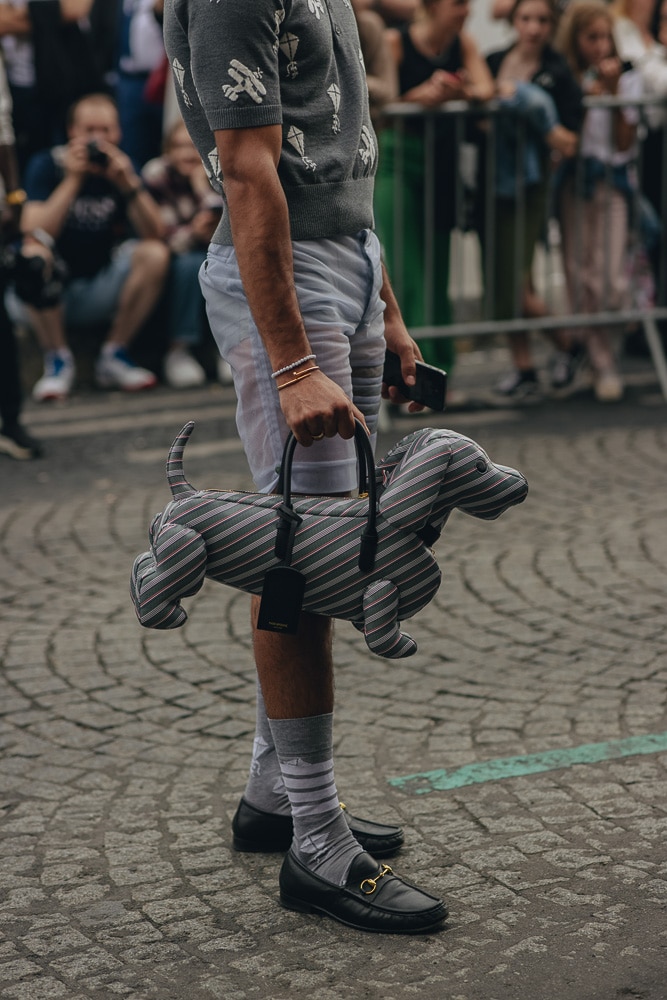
(373, 882)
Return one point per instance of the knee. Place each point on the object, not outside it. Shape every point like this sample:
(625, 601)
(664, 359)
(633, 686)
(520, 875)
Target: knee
(151, 258)
(38, 277)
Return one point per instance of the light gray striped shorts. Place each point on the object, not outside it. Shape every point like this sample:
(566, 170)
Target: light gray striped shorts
(338, 285)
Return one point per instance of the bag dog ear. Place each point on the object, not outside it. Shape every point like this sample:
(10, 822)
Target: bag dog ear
(416, 482)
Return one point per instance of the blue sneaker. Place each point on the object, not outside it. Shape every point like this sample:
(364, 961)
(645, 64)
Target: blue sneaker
(116, 370)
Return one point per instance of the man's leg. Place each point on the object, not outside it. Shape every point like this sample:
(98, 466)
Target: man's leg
(140, 292)
(49, 327)
(305, 686)
(14, 439)
(296, 675)
(143, 279)
(309, 692)
(59, 368)
(326, 870)
(38, 295)
(265, 793)
(186, 321)
(10, 381)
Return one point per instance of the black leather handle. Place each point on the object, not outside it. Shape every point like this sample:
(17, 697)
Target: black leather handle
(289, 520)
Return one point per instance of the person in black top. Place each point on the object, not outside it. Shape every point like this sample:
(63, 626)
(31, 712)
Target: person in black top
(85, 200)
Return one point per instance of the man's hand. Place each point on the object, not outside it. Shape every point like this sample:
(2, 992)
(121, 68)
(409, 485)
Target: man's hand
(315, 406)
(408, 352)
(441, 86)
(119, 170)
(76, 163)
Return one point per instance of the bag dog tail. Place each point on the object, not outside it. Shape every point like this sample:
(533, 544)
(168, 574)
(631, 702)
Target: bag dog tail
(178, 484)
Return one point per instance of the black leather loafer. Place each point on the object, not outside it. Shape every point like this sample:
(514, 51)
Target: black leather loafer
(266, 833)
(372, 899)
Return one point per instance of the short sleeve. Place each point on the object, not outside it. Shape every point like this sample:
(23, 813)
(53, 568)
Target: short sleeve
(234, 48)
(41, 176)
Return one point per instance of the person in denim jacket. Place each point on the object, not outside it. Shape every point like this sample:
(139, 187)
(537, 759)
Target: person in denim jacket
(541, 111)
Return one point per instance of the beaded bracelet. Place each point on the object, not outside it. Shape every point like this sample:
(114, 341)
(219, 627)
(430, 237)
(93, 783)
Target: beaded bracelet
(295, 364)
(297, 378)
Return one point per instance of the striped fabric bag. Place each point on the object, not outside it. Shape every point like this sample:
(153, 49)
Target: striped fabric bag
(231, 537)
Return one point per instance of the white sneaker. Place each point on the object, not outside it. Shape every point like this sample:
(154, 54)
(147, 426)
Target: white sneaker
(225, 376)
(182, 371)
(115, 370)
(58, 377)
(608, 388)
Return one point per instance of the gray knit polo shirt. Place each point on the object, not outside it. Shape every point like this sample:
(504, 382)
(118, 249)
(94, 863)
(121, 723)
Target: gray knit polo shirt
(294, 63)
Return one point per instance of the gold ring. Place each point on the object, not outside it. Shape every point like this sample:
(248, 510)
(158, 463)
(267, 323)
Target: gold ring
(318, 437)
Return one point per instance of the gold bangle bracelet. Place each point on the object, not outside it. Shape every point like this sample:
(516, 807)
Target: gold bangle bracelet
(297, 378)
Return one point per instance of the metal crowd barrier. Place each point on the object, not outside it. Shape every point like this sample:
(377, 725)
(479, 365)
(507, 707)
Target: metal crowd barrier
(473, 315)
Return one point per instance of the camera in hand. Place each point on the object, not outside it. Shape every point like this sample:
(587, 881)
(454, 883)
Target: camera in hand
(96, 155)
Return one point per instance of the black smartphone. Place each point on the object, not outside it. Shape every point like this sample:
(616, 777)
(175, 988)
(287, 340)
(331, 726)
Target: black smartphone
(430, 388)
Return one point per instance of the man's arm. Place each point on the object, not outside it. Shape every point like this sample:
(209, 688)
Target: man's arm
(400, 342)
(260, 227)
(14, 20)
(142, 210)
(50, 213)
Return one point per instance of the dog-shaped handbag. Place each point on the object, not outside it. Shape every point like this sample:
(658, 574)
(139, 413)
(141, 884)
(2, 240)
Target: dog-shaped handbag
(368, 561)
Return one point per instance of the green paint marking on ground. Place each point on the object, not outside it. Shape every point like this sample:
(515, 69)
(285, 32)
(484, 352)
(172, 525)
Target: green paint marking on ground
(532, 763)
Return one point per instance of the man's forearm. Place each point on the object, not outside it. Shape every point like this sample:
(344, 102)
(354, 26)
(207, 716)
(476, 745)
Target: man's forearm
(144, 213)
(14, 20)
(51, 214)
(395, 331)
(260, 226)
(392, 311)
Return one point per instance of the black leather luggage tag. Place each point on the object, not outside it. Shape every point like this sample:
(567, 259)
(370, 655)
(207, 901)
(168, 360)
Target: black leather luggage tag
(282, 597)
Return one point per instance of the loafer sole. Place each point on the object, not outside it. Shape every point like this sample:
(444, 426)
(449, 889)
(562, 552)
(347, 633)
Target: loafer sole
(301, 906)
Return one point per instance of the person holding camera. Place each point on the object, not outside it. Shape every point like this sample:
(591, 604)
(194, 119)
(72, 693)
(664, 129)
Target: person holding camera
(77, 265)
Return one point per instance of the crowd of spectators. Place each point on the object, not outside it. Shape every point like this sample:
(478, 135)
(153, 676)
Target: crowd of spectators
(542, 154)
(114, 219)
(117, 210)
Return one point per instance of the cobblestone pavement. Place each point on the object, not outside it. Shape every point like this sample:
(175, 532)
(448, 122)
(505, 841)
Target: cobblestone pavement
(125, 750)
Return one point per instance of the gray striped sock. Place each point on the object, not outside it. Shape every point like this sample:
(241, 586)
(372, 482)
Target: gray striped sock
(265, 788)
(322, 838)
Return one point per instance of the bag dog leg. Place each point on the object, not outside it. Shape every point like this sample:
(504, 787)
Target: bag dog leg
(381, 626)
